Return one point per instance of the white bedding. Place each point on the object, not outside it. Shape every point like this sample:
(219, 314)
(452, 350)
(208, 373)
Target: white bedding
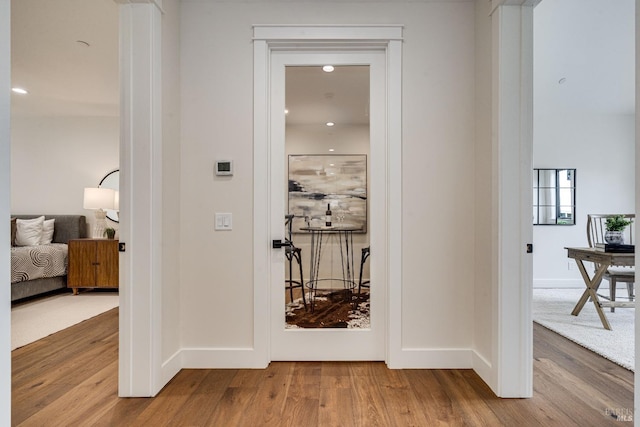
(35, 262)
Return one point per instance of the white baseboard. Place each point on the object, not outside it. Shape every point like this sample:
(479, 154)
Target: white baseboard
(482, 367)
(429, 358)
(171, 367)
(241, 358)
(222, 358)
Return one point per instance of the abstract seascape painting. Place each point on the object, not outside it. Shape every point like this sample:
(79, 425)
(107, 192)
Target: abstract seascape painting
(339, 181)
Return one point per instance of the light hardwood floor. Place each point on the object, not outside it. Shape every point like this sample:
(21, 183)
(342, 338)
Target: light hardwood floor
(70, 379)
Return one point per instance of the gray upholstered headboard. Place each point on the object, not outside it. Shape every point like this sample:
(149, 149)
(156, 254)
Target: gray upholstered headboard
(65, 228)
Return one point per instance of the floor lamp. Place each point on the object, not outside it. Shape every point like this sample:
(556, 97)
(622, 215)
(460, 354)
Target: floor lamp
(98, 200)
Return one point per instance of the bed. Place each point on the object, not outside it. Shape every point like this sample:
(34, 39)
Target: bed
(40, 268)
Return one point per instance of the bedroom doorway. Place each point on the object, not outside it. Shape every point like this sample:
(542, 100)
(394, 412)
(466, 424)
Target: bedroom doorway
(66, 142)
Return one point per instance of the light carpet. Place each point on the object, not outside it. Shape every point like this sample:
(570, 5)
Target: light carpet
(33, 320)
(552, 309)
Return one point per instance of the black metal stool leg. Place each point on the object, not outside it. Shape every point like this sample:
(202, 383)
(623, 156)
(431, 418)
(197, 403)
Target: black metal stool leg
(365, 255)
(291, 282)
(304, 299)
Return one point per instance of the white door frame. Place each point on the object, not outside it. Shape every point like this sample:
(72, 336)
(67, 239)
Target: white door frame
(267, 39)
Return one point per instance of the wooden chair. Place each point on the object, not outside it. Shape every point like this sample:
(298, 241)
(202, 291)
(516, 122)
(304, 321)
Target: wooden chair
(596, 227)
(294, 255)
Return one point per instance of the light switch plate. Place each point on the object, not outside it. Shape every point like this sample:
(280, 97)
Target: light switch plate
(224, 221)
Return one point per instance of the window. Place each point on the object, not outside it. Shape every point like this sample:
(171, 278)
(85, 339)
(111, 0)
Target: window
(554, 196)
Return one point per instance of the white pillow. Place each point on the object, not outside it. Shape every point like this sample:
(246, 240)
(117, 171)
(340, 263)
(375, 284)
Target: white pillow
(47, 232)
(28, 231)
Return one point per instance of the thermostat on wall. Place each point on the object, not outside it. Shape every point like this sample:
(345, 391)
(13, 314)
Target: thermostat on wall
(224, 167)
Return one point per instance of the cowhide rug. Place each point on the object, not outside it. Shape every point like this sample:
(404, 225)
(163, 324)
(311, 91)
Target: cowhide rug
(332, 310)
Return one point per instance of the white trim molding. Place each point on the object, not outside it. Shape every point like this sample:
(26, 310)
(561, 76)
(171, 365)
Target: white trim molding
(512, 115)
(269, 38)
(140, 367)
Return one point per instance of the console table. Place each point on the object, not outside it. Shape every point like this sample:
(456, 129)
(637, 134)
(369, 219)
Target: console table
(602, 260)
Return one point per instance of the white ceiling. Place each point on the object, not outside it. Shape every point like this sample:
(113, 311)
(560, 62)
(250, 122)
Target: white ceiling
(63, 76)
(317, 97)
(590, 43)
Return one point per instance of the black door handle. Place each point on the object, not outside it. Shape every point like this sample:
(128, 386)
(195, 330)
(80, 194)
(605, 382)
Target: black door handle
(277, 244)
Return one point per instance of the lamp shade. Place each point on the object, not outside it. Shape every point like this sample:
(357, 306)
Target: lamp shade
(99, 198)
(116, 201)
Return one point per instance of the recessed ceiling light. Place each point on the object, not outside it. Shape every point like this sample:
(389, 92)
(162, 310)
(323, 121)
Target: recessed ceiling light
(332, 150)
(19, 90)
(286, 111)
(328, 68)
(330, 124)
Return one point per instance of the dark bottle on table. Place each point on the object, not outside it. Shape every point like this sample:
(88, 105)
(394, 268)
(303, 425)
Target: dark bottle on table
(328, 213)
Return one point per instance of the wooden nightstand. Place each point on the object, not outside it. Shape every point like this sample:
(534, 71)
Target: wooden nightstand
(93, 263)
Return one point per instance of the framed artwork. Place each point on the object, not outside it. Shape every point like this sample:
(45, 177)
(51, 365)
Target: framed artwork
(339, 181)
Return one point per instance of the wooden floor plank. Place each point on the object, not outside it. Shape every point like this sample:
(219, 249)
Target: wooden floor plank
(73, 407)
(368, 401)
(439, 408)
(232, 407)
(70, 378)
(170, 401)
(464, 400)
(337, 407)
(202, 403)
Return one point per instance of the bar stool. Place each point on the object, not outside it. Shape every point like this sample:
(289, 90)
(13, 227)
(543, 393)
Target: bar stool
(365, 255)
(293, 254)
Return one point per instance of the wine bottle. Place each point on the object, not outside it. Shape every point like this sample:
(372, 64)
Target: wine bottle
(328, 213)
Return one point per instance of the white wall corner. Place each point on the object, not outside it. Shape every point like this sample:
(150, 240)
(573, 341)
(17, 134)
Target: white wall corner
(482, 366)
(171, 367)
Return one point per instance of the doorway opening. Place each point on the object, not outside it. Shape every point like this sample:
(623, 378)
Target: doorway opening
(275, 48)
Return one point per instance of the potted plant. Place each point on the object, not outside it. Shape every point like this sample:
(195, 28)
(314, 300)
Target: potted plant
(615, 226)
(110, 233)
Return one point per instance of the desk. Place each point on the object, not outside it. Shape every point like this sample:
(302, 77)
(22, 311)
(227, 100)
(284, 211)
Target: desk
(602, 260)
(319, 236)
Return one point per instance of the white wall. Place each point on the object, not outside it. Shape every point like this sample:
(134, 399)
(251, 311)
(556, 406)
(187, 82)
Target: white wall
(482, 183)
(54, 158)
(604, 183)
(587, 122)
(171, 178)
(438, 165)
